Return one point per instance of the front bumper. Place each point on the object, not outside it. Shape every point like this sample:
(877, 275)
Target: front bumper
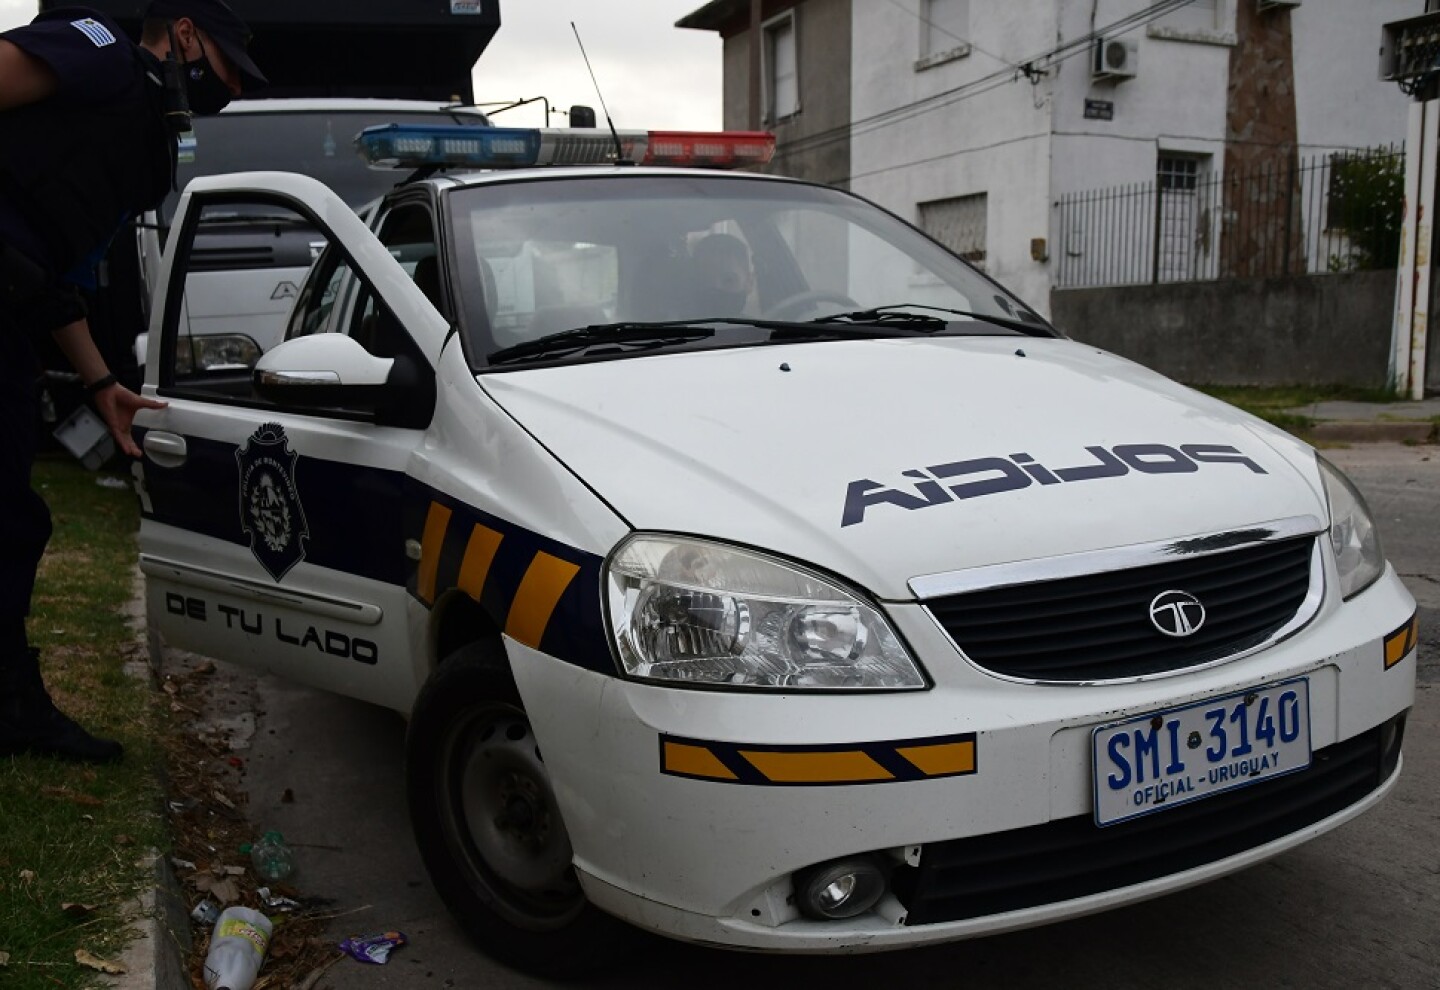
(708, 858)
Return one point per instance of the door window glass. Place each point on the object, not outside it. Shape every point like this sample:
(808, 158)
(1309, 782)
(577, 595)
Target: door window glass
(241, 275)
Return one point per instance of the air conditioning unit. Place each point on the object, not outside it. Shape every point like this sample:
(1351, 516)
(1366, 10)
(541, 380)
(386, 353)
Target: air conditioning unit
(1264, 5)
(1115, 59)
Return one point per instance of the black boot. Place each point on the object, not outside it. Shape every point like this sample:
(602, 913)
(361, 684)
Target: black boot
(30, 722)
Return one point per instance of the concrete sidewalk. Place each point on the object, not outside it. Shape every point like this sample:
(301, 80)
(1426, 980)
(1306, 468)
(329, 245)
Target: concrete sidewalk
(1372, 422)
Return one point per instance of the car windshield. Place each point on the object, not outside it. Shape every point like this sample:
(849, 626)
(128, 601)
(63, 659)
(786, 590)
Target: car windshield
(544, 256)
(318, 143)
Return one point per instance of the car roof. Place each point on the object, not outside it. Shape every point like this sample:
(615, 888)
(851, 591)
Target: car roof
(461, 180)
(346, 105)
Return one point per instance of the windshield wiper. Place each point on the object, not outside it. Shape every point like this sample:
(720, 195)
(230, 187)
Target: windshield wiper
(566, 342)
(895, 314)
(641, 336)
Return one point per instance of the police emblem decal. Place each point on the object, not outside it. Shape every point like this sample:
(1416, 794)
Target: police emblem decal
(270, 510)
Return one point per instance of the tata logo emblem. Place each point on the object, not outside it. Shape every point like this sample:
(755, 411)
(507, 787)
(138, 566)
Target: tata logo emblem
(270, 510)
(1177, 613)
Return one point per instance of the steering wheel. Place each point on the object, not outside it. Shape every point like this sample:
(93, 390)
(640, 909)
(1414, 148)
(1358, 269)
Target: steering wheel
(798, 303)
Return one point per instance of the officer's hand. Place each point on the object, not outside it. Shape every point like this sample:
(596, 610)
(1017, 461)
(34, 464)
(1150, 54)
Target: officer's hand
(117, 406)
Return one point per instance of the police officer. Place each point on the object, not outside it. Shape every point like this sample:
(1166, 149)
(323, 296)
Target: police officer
(88, 124)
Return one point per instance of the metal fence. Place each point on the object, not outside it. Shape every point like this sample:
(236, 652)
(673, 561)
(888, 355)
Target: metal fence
(1329, 213)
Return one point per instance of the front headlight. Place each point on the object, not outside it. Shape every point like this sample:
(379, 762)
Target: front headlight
(1353, 536)
(217, 353)
(691, 612)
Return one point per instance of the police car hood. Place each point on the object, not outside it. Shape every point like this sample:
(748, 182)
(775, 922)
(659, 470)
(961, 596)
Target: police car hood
(885, 460)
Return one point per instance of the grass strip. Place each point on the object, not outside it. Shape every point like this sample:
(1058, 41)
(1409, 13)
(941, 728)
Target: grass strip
(1273, 403)
(72, 834)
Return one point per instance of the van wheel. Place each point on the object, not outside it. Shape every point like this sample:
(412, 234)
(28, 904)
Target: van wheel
(489, 828)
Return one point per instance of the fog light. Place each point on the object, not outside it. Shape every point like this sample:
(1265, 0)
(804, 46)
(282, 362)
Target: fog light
(1392, 738)
(843, 888)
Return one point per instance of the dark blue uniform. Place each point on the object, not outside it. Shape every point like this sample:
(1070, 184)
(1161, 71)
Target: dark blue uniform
(73, 168)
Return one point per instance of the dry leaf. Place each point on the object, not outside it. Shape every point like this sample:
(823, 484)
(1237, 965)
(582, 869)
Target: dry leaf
(205, 667)
(233, 871)
(27, 877)
(170, 688)
(4, 959)
(225, 891)
(224, 800)
(86, 958)
(77, 910)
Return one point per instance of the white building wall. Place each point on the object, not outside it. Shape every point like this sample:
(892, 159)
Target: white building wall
(1176, 100)
(1173, 105)
(1025, 147)
(996, 143)
(1340, 101)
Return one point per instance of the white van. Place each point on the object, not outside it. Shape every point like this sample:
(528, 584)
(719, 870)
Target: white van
(249, 265)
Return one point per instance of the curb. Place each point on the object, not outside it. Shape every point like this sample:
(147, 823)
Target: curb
(1418, 432)
(157, 959)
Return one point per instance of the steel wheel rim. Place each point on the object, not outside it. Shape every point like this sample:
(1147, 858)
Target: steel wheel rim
(501, 819)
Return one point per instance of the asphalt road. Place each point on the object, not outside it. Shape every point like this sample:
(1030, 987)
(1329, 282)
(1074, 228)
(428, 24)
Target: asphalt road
(1359, 907)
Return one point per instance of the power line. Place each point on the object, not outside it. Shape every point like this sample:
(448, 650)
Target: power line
(1031, 68)
(984, 84)
(964, 41)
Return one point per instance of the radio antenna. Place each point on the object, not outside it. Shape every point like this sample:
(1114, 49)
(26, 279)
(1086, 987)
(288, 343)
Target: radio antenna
(619, 151)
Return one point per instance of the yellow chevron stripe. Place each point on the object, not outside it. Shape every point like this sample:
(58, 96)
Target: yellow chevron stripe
(540, 589)
(946, 758)
(436, 522)
(479, 555)
(817, 768)
(696, 761)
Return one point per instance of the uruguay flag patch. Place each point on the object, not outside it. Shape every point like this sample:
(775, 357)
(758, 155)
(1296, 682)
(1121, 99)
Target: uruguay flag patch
(98, 33)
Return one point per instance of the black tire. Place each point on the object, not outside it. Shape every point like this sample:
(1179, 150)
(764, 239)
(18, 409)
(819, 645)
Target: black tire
(489, 829)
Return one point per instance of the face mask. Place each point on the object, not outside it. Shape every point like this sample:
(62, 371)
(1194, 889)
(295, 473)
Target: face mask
(207, 92)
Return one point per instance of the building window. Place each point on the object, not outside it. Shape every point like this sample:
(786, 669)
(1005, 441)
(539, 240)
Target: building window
(959, 224)
(944, 29)
(1197, 15)
(1177, 172)
(782, 74)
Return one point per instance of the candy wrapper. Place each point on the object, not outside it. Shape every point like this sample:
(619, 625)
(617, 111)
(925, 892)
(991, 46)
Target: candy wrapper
(373, 948)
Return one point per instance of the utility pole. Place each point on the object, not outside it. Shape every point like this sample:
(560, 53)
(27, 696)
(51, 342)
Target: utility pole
(1410, 57)
(756, 40)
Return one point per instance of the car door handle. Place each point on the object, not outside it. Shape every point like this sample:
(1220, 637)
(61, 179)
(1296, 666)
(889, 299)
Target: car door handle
(165, 449)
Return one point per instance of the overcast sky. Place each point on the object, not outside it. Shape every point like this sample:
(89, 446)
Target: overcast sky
(653, 74)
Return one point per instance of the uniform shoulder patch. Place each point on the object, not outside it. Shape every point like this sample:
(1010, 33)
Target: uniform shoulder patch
(98, 33)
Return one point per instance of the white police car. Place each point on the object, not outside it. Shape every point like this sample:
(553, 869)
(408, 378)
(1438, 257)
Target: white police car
(754, 571)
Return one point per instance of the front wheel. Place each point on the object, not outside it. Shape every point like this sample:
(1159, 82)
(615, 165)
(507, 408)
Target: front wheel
(489, 828)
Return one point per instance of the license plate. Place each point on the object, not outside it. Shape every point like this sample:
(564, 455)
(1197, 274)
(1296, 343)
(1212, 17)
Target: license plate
(1165, 759)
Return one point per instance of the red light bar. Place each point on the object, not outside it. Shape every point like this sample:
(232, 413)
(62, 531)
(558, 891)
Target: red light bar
(710, 149)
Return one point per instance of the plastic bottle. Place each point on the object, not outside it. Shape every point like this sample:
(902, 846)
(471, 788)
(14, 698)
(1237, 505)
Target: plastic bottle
(237, 948)
(272, 857)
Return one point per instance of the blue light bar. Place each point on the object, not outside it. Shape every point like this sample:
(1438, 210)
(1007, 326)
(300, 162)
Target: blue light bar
(447, 146)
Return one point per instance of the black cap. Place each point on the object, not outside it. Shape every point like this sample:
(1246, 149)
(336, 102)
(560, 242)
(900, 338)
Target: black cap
(223, 25)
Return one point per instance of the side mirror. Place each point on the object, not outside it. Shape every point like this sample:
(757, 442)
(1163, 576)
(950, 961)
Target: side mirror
(325, 369)
(334, 371)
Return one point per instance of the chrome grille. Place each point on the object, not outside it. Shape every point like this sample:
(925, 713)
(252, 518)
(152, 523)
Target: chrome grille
(1098, 626)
